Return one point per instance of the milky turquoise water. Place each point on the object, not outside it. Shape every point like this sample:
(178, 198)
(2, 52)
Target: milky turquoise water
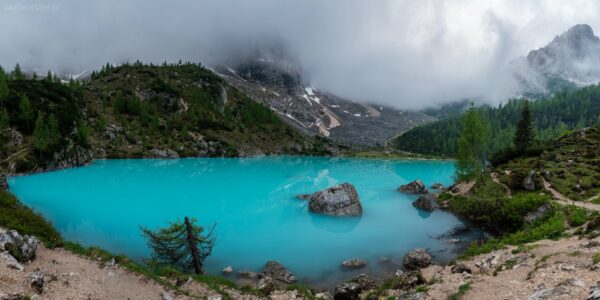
(252, 202)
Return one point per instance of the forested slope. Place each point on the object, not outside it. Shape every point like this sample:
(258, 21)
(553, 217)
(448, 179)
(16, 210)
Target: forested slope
(552, 117)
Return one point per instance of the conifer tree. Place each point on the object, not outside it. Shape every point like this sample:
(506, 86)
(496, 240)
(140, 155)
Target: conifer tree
(524, 135)
(17, 73)
(53, 132)
(183, 245)
(26, 111)
(4, 91)
(49, 76)
(40, 134)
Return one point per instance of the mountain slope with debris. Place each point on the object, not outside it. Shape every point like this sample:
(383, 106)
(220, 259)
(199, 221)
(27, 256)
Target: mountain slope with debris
(317, 112)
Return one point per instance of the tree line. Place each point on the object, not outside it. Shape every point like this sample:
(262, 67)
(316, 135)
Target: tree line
(551, 117)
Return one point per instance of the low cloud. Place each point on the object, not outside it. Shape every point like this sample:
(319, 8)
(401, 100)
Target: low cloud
(409, 54)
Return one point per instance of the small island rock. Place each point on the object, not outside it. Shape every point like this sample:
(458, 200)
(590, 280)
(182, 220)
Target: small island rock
(437, 186)
(354, 264)
(426, 202)
(417, 259)
(341, 200)
(414, 187)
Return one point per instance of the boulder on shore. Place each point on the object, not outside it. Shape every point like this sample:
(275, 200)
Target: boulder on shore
(278, 272)
(341, 200)
(416, 259)
(414, 187)
(23, 248)
(426, 202)
(353, 264)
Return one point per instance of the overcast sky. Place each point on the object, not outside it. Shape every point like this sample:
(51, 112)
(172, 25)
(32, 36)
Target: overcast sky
(408, 54)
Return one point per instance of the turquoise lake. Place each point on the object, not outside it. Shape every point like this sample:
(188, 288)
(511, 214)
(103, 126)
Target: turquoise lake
(252, 201)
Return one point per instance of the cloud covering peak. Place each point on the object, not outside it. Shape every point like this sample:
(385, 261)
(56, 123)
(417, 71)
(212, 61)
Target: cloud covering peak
(409, 54)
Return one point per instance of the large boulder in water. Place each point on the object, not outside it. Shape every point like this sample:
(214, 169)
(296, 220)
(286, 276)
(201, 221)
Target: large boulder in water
(426, 202)
(278, 272)
(341, 200)
(414, 187)
(417, 259)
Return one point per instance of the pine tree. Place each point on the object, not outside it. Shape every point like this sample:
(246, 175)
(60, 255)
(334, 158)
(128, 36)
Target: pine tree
(182, 245)
(4, 120)
(4, 91)
(524, 135)
(40, 134)
(53, 132)
(472, 145)
(17, 73)
(49, 76)
(26, 111)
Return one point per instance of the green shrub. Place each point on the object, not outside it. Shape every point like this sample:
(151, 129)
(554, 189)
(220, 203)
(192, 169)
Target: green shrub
(14, 215)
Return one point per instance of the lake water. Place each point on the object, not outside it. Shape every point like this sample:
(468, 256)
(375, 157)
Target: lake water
(252, 201)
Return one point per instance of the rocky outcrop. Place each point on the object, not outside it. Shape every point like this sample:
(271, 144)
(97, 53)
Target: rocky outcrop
(414, 187)
(532, 182)
(352, 264)
(163, 153)
(347, 291)
(540, 212)
(426, 202)
(416, 259)
(23, 248)
(461, 268)
(595, 292)
(278, 272)
(339, 200)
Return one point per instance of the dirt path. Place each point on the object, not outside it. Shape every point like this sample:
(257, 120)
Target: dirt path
(567, 201)
(496, 179)
(69, 276)
(561, 269)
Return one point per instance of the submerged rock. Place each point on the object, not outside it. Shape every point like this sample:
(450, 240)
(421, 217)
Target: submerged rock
(455, 231)
(414, 187)
(426, 202)
(341, 200)
(278, 272)
(417, 259)
(354, 264)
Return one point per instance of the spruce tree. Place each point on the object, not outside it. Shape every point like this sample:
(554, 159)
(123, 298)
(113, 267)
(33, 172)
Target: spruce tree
(17, 73)
(4, 91)
(53, 132)
(183, 245)
(26, 111)
(524, 135)
(40, 134)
